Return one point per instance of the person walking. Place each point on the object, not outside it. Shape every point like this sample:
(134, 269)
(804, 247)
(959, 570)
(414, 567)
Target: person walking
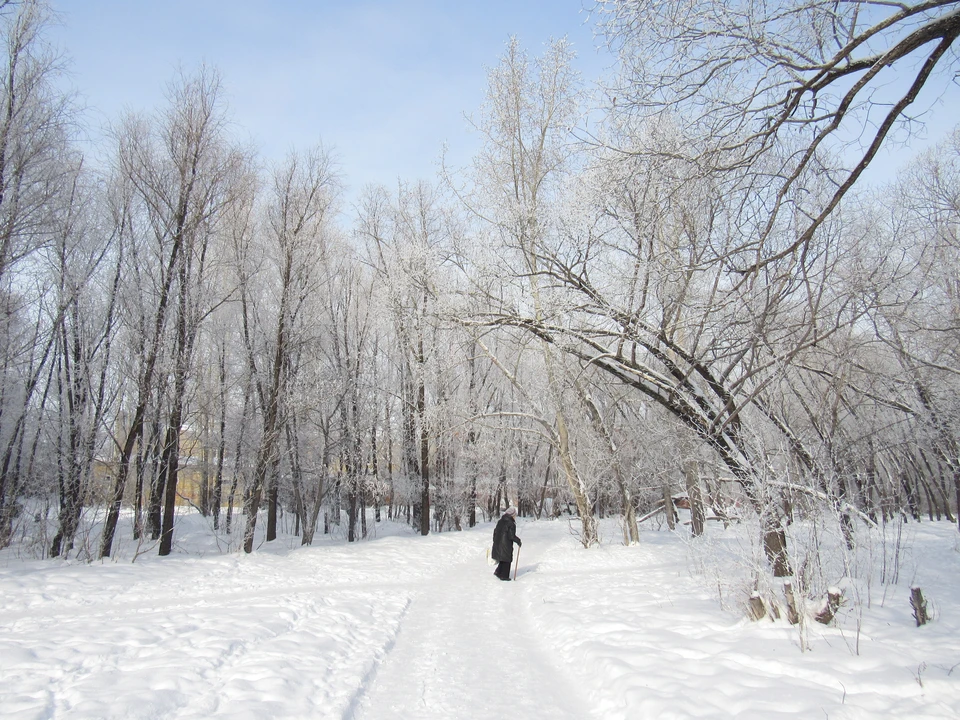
(504, 536)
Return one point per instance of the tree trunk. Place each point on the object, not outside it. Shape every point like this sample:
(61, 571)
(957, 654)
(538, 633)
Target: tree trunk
(139, 526)
(424, 445)
(775, 548)
(272, 497)
(205, 468)
(351, 510)
(170, 468)
(267, 452)
(668, 507)
(630, 530)
(186, 336)
(696, 500)
(577, 488)
(221, 440)
(546, 481)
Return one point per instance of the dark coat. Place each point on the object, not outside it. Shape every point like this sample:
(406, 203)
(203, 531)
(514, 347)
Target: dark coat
(504, 536)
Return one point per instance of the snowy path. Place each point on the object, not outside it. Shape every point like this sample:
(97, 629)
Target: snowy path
(465, 649)
(402, 626)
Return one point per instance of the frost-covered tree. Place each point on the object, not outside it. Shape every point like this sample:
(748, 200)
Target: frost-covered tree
(765, 95)
(917, 310)
(407, 239)
(296, 235)
(182, 168)
(37, 173)
(525, 123)
(87, 263)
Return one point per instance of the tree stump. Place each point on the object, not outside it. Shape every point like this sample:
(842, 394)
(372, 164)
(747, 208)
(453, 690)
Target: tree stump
(690, 473)
(919, 606)
(834, 598)
(792, 615)
(756, 607)
(775, 548)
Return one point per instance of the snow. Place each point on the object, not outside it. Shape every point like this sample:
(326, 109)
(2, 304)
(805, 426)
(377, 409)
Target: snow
(403, 626)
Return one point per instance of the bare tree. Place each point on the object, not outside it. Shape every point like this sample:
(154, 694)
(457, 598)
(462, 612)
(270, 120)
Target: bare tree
(88, 268)
(407, 237)
(527, 153)
(602, 427)
(351, 315)
(181, 169)
(36, 174)
(917, 311)
(33, 121)
(762, 94)
(303, 191)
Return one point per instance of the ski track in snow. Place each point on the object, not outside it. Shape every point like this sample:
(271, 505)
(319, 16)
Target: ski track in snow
(466, 649)
(229, 638)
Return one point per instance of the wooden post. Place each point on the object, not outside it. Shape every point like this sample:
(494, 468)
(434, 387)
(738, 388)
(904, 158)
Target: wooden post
(755, 605)
(690, 472)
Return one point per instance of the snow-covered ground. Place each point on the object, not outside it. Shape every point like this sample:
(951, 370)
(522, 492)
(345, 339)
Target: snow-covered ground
(402, 626)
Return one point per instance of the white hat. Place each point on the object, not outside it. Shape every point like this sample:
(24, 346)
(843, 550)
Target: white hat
(511, 511)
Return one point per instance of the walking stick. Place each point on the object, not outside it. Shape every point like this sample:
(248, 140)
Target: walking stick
(517, 566)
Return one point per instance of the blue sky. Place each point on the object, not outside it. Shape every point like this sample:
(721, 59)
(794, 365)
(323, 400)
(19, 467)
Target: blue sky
(383, 83)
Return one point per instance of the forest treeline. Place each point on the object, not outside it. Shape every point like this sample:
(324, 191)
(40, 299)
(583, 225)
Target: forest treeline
(693, 292)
